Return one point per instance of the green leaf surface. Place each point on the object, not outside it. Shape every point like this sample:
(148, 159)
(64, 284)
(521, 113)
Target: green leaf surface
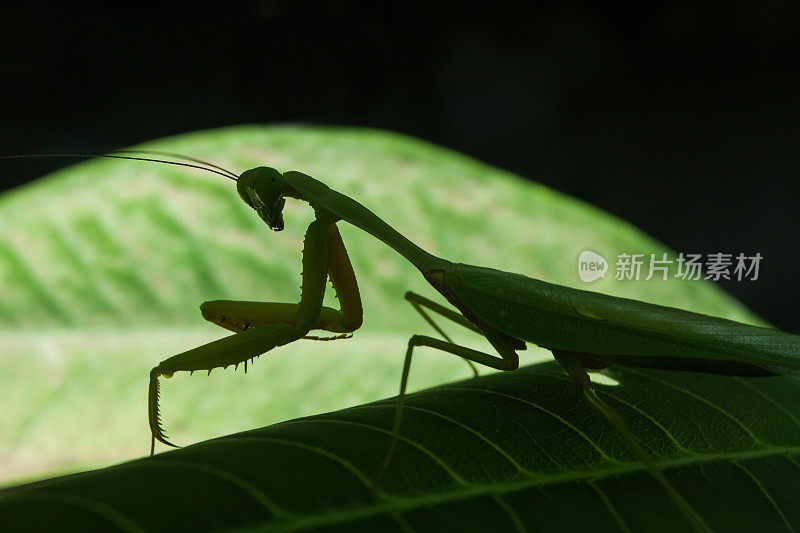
(505, 452)
(103, 266)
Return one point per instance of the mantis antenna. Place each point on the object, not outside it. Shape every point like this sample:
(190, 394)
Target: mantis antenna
(225, 173)
(176, 156)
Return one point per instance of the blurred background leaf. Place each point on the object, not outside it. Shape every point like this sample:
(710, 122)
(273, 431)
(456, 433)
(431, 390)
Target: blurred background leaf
(103, 266)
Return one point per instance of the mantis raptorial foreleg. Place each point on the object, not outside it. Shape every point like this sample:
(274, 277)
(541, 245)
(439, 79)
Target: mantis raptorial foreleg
(262, 326)
(231, 350)
(239, 316)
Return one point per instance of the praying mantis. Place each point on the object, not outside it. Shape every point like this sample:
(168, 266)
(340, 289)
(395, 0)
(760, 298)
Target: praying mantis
(582, 329)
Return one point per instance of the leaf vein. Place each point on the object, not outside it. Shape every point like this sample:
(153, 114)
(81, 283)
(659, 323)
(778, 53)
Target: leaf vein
(512, 514)
(611, 509)
(766, 493)
(308, 447)
(703, 400)
(438, 460)
(546, 411)
(240, 482)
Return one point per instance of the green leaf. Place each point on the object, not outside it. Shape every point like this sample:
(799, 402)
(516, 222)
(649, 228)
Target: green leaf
(505, 452)
(103, 266)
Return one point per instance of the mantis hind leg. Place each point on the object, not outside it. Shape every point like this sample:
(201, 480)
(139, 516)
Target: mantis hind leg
(572, 365)
(508, 360)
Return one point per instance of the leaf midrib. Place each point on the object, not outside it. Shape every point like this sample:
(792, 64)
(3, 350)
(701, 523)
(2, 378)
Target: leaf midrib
(393, 505)
(400, 504)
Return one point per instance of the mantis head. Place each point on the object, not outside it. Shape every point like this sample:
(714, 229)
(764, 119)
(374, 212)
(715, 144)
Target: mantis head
(262, 189)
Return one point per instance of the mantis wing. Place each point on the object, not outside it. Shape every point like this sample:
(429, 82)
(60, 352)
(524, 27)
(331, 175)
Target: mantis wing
(620, 330)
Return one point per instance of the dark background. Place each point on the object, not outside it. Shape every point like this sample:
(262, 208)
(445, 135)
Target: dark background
(682, 118)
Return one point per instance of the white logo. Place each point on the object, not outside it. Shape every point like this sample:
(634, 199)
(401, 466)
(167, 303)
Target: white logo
(591, 266)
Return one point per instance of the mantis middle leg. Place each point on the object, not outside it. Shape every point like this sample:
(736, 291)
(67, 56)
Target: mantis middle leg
(508, 360)
(419, 302)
